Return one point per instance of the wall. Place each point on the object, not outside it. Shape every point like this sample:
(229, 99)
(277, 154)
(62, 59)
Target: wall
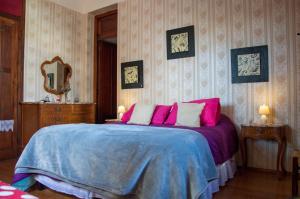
(220, 25)
(12, 7)
(52, 30)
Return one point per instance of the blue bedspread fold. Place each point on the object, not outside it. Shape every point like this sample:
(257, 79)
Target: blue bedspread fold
(118, 161)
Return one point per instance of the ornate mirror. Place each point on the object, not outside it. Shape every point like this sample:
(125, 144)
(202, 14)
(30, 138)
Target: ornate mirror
(56, 76)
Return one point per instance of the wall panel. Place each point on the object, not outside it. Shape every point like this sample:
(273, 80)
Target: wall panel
(219, 26)
(52, 30)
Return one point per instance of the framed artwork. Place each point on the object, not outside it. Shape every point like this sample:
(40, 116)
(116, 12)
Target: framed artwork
(250, 64)
(181, 42)
(132, 75)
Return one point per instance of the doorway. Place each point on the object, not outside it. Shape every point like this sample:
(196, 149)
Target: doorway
(9, 69)
(106, 66)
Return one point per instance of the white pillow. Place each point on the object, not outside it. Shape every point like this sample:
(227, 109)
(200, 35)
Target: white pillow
(142, 114)
(188, 114)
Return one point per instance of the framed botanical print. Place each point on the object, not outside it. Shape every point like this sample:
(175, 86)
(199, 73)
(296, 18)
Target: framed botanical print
(250, 64)
(132, 75)
(181, 42)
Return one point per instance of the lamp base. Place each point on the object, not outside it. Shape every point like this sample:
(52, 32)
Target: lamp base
(263, 119)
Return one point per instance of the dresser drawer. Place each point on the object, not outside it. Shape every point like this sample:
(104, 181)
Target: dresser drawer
(260, 132)
(83, 109)
(82, 118)
(51, 109)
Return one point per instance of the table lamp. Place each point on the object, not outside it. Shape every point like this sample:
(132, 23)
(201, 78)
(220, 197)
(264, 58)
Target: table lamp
(264, 110)
(121, 111)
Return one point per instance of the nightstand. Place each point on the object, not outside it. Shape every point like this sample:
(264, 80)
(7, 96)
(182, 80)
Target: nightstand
(275, 132)
(112, 120)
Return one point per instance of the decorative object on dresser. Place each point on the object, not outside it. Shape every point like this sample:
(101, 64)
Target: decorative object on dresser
(250, 64)
(275, 132)
(38, 115)
(181, 42)
(132, 74)
(57, 75)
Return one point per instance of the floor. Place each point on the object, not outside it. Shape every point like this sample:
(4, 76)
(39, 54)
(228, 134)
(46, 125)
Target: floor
(248, 184)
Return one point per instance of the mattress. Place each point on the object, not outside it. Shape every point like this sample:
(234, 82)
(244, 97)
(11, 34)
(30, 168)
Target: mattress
(226, 172)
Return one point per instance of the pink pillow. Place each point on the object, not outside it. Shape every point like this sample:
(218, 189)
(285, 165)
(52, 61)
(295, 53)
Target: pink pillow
(161, 112)
(127, 115)
(171, 120)
(211, 113)
(209, 117)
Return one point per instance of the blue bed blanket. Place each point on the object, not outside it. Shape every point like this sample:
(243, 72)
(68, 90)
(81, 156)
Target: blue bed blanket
(122, 161)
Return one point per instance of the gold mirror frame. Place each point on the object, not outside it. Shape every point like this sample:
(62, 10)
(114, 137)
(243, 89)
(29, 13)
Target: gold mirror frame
(44, 73)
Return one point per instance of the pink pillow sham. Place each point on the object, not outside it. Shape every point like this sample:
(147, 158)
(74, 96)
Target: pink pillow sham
(209, 117)
(160, 114)
(127, 115)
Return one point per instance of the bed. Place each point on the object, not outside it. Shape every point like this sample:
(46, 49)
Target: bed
(130, 161)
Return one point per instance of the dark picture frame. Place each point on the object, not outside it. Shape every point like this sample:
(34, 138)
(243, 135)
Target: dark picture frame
(181, 42)
(132, 74)
(250, 64)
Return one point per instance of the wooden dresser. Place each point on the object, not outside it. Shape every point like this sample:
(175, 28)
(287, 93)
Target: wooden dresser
(38, 115)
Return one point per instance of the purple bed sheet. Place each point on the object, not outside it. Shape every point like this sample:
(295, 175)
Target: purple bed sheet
(222, 139)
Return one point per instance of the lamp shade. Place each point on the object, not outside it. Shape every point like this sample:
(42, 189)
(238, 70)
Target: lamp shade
(264, 110)
(121, 109)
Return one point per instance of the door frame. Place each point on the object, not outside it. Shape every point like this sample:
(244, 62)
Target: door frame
(20, 20)
(96, 38)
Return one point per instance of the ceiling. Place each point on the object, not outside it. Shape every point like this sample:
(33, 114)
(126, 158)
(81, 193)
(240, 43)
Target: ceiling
(85, 6)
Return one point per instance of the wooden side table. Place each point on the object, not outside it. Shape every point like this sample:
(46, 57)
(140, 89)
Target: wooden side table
(265, 132)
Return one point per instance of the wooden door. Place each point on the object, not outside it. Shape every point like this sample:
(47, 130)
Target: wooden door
(9, 54)
(107, 81)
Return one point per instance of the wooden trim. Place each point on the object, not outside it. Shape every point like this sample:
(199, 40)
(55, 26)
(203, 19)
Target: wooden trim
(112, 12)
(95, 60)
(21, 76)
(9, 16)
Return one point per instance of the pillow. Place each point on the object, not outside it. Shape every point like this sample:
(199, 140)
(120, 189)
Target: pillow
(127, 115)
(171, 120)
(188, 114)
(210, 115)
(142, 114)
(160, 114)
(211, 112)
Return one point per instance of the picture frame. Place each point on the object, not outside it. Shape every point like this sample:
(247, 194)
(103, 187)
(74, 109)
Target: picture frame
(180, 42)
(250, 64)
(132, 74)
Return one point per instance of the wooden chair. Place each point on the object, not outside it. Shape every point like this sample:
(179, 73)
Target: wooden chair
(295, 172)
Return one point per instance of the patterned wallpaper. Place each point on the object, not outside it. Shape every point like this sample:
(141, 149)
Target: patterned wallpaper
(219, 26)
(52, 30)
